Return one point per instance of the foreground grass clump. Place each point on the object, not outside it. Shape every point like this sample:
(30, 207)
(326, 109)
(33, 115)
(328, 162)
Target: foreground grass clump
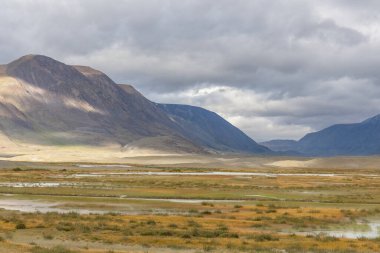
(263, 237)
(20, 226)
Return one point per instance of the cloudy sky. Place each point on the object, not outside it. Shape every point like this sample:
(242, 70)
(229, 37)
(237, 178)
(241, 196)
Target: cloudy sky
(274, 68)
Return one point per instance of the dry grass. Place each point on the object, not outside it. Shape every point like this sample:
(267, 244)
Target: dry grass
(278, 212)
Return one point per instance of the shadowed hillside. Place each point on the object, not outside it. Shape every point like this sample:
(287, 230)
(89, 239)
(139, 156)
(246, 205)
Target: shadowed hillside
(46, 102)
(342, 139)
(210, 130)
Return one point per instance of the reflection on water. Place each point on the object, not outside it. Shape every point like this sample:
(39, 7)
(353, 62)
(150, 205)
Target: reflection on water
(32, 206)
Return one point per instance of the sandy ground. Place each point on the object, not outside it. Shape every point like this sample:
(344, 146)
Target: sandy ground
(148, 157)
(294, 163)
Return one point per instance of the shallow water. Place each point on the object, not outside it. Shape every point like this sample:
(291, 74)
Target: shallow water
(195, 201)
(35, 184)
(372, 232)
(33, 206)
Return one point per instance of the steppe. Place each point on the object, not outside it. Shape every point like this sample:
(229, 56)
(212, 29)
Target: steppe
(92, 200)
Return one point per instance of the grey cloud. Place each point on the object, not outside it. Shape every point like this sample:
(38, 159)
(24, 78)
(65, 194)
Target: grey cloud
(329, 31)
(289, 64)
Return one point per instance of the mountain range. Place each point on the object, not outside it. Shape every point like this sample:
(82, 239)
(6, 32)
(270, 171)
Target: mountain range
(341, 139)
(45, 102)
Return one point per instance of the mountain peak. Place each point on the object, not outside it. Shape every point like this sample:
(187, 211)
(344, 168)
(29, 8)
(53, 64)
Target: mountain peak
(31, 58)
(374, 119)
(43, 71)
(31, 62)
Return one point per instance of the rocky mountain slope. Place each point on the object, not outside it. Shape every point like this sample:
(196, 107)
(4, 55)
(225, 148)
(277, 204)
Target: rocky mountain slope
(210, 130)
(46, 102)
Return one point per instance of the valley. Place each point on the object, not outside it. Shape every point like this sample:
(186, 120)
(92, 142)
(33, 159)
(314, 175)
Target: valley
(193, 204)
(189, 126)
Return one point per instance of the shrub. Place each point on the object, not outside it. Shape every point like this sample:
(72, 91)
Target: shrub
(263, 237)
(48, 236)
(20, 226)
(151, 222)
(172, 225)
(193, 223)
(326, 238)
(65, 226)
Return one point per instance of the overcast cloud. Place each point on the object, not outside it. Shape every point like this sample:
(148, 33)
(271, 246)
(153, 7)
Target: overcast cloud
(274, 68)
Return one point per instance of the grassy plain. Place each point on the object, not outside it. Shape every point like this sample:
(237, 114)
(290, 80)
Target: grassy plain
(276, 205)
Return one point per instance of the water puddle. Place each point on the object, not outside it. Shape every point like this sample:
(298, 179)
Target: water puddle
(32, 206)
(192, 201)
(37, 184)
(368, 230)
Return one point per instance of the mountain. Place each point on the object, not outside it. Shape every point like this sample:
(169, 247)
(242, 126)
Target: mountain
(46, 102)
(280, 145)
(341, 139)
(344, 139)
(210, 130)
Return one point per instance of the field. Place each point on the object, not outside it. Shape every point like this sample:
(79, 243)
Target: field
(191, 204)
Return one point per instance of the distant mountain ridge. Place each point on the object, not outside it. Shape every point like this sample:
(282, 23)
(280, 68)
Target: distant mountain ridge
(46, 102)
(341, 139)
(344, 139)
(280, 145)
